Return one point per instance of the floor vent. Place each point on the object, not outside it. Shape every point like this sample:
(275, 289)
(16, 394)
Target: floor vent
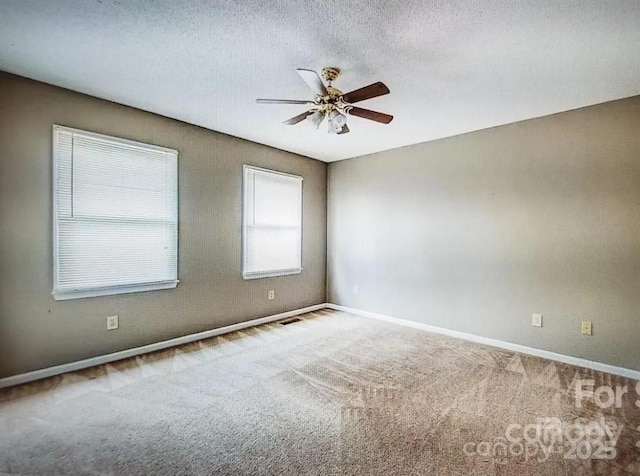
(291, 320)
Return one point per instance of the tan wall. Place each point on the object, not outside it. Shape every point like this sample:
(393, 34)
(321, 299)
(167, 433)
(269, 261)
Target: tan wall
(37, 332)
(476, 232)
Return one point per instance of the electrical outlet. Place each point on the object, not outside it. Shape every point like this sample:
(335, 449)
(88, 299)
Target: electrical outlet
(112, 323)
(272, 295)
(355, 290)
(536, 320)
(586, 328)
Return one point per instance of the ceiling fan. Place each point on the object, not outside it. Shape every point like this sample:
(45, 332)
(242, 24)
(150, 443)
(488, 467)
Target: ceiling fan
(331, 103)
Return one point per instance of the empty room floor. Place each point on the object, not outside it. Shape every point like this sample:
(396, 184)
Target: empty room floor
(332, 393)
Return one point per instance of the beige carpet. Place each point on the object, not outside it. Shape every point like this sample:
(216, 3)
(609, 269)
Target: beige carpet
(331, 394)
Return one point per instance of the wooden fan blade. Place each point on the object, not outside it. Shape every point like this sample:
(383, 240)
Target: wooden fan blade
(372, 91)
(298, 118)
(369, 114)
(313, 81)
(344, 130)
(283, 101)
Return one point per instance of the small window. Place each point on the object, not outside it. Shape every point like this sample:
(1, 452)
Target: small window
(272, 223)
(115, 216)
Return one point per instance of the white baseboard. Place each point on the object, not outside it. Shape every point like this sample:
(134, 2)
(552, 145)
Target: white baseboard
(123, 354)
(105, 359)
(545, 354)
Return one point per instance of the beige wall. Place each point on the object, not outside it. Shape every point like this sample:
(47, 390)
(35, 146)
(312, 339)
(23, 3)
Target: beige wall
(472, 233)
(37, 332)
(476, 232)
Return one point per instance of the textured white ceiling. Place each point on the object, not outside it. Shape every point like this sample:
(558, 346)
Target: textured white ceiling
(452, 66)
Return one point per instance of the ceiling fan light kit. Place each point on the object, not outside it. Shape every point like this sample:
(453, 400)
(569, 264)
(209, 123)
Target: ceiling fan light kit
(331, 103)
(315, 119)
(338, 118)
(336, 121)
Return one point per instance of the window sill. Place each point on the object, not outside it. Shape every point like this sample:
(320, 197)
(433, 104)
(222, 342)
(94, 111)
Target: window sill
(132, 288)
(271, 274)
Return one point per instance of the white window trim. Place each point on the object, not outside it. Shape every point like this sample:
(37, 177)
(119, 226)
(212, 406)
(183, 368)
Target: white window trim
(108, 291)
(111, 290)
(270, 273)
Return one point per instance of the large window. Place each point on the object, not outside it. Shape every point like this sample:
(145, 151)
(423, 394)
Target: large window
(272, 223)
(115, 220)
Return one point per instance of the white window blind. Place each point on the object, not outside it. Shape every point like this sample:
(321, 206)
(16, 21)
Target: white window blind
(115, 215)
(272, 223)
